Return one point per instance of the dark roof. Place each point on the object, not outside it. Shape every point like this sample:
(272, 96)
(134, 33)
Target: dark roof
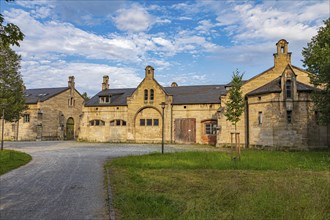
(275, 87)
(301, 87)
(205, 94)
(32, 96)
(271, 87)
(118, 97)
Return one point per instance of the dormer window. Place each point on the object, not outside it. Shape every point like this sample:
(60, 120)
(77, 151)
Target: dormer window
(105, 99)
(288, 87)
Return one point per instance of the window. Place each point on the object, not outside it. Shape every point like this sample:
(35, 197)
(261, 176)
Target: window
(149, 122)
(26, 118)
(39, 115)
(289, 116)
(145, 95)
(210, 128)
(118, 122)
(96, 122)
(105, 99)
(260, 118)
(151, 94)
(71, 101)
(288, 85)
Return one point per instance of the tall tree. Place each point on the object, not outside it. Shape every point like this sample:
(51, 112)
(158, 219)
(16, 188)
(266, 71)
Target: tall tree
(235, 102)
(317, 60)
(11, 83)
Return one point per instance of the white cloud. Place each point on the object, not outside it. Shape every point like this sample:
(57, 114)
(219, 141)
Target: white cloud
(41, 72)
(133, 19)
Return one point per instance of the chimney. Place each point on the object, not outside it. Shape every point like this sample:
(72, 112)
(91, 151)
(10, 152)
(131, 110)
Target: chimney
(71, 84)
(105, 84)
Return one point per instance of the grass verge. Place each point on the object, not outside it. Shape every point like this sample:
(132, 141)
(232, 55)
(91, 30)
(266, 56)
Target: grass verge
(208, 185)
(10, 159)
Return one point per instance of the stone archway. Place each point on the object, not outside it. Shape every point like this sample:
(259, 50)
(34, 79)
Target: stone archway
(70, 129)
(148, 125)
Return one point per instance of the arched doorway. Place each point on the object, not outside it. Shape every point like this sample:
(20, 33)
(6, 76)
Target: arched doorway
(70, 129)
(148, 125)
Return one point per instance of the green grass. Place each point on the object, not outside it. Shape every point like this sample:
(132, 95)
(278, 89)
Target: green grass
(209, 185)
(10, 159)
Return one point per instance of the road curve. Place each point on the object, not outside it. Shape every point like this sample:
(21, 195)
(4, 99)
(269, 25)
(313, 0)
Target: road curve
(64, 180)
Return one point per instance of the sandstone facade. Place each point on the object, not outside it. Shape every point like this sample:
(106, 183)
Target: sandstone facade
(279, 111)
(52, 114)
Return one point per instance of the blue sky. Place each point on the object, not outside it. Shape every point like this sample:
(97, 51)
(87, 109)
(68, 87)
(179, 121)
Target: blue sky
(189, 42)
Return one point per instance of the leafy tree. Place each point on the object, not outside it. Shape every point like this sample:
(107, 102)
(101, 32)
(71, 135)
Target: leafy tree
(317, 60)
(235, 106)
(10, 34)
(85, 96)
(11, 84)
(235, 102)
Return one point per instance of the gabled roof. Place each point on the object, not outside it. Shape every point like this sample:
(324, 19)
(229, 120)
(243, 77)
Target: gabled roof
(32, 96)
(271, 87)
(205, 94)
(275, 87)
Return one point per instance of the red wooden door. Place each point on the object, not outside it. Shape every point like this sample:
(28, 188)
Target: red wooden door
(185, 130)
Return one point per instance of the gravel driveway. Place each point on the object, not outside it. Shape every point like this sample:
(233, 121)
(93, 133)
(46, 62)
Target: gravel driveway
(63, 181)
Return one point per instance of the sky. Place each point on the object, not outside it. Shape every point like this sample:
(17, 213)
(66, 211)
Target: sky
(188, 42)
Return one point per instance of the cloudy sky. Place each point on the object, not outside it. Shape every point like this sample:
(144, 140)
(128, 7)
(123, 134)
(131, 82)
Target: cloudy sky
(189, 42)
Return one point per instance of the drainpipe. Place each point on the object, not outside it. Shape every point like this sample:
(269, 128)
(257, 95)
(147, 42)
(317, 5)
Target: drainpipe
(171, 124)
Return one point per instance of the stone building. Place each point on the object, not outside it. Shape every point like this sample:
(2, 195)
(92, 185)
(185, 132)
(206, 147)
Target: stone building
(135, 114)
(52, 114)
(278, 108)
(279, 111)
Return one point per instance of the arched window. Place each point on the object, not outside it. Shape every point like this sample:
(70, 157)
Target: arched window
(288, 86)
(151, 94)
(145, 95)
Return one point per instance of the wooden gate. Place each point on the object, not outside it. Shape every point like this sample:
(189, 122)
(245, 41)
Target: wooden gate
(185, 130)
(70, 129)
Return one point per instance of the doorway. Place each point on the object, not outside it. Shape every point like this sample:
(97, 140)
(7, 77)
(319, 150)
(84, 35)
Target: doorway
(70, 129)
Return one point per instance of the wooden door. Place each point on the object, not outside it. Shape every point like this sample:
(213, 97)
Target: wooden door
(70, 129)
(185, 130)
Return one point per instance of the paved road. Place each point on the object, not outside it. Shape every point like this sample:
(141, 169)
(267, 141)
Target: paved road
(63, 181)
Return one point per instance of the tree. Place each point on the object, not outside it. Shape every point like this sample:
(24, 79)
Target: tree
(317, 60)
(10, 34)
(85, 96)
(235, 104)
(11, 84)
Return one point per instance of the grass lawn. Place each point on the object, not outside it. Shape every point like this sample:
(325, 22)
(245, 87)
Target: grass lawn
(208, 185)
(10, 159)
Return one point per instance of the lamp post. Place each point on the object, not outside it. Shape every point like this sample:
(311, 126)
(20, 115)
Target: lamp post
(3, 126)
(163, 107)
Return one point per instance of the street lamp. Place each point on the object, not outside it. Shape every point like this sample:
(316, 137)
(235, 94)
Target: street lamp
(163, 107)
(3, 126)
